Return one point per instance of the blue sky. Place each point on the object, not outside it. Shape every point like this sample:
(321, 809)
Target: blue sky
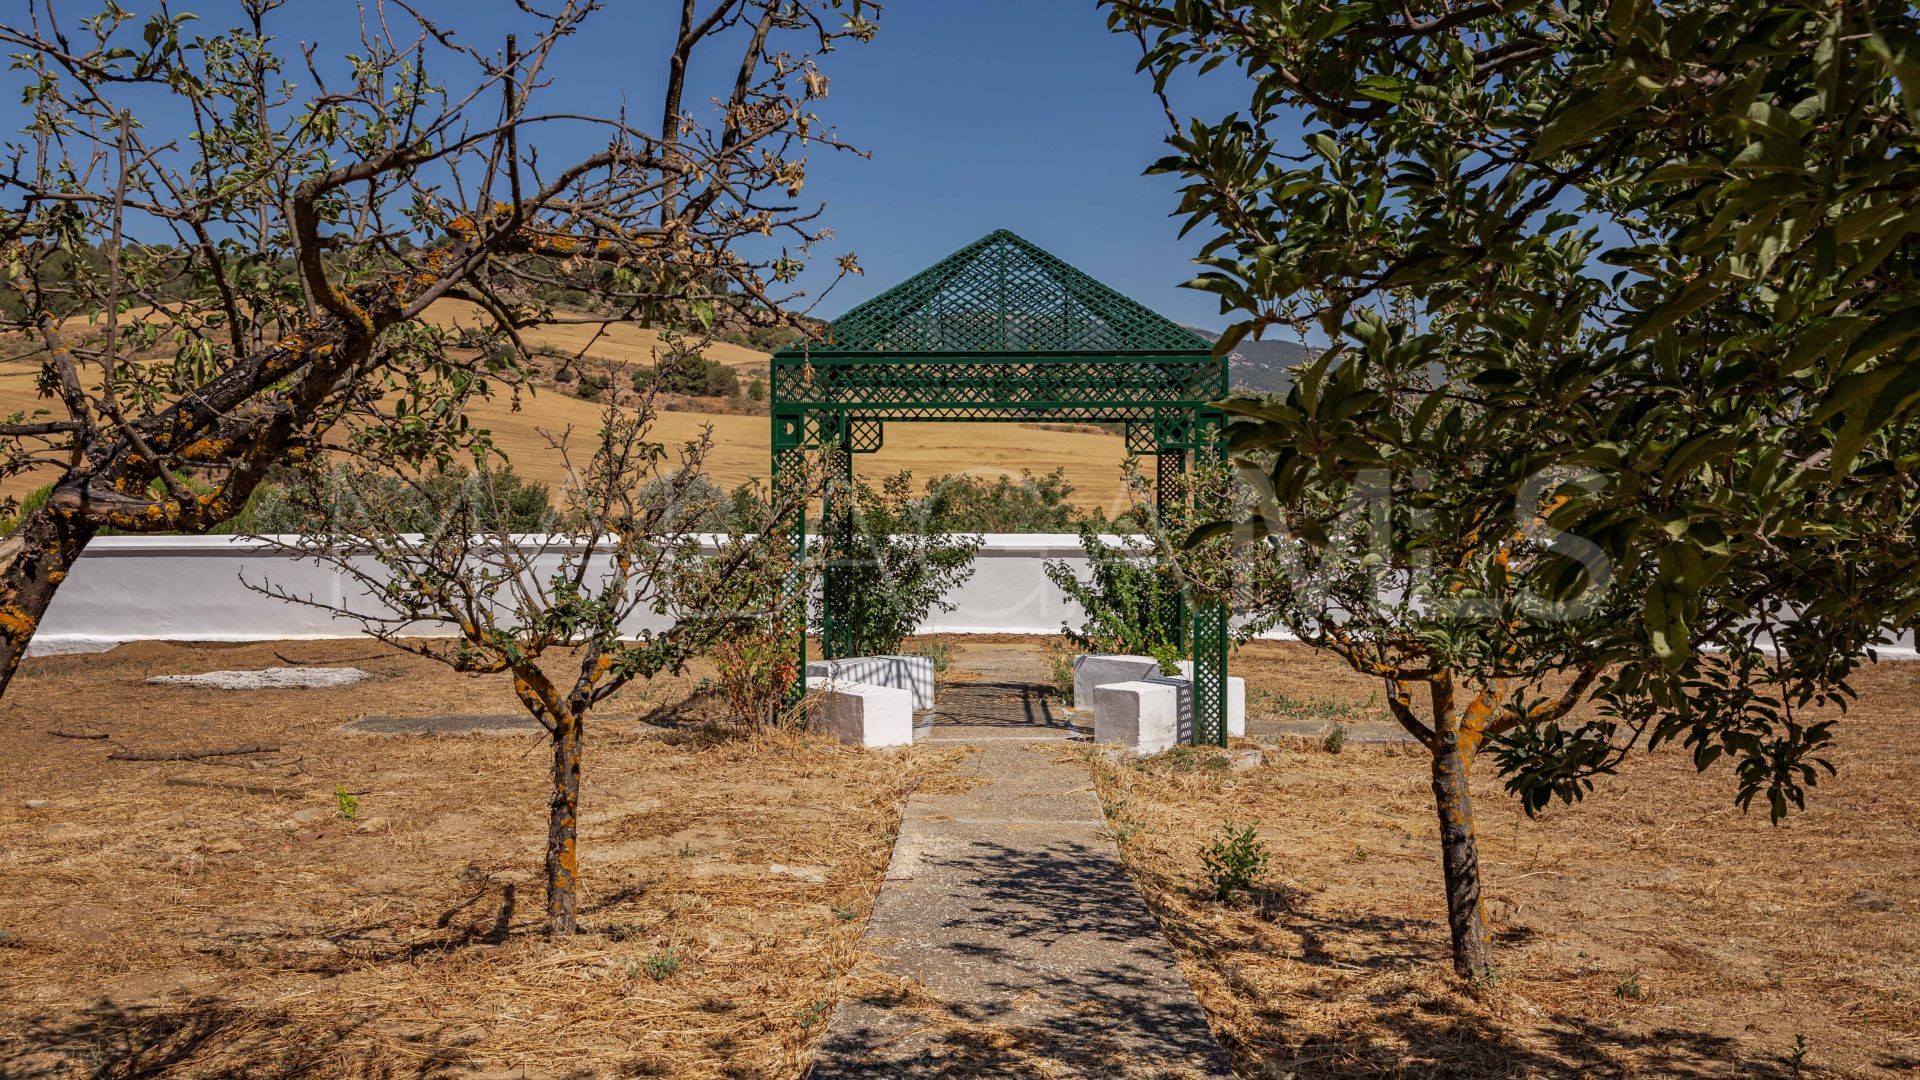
(1018, 114)
(980, 114)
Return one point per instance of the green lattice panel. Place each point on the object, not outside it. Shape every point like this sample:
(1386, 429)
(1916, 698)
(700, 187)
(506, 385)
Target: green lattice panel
(1002, 293)
(866, 436)
(951, 383)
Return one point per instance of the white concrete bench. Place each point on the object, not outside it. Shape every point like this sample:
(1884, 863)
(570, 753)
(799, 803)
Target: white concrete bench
(1141, 717)
(1094, 670)
(913, 674)
(862, 714)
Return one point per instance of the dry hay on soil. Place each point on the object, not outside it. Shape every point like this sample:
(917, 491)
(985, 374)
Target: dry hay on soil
(1652, 931)
(225, 929)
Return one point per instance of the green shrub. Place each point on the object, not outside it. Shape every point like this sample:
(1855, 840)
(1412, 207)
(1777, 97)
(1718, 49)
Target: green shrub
(693, 375)
(350, 498)
(1031, 504)
(592, 386)
(894, 569)
(1131, 605)
(1235, 860)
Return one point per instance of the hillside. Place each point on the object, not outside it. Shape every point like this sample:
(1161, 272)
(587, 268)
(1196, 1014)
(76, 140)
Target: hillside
(620, 344)
(1262, 365)
(742, 443)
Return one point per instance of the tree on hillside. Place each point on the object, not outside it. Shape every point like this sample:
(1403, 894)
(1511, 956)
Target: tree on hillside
(223, 250)
(615, 588)
(1621, 300)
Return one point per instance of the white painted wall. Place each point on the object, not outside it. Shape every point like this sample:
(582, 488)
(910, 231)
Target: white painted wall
(190, 588)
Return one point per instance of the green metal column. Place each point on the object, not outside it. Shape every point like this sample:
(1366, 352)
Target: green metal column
(836, 523)
(789, 481)
(1210, 619)
(1169, 465)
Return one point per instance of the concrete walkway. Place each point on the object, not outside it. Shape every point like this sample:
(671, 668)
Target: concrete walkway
(1015, 942)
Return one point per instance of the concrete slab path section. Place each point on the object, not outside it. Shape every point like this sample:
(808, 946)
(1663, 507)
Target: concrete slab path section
(1014, 939)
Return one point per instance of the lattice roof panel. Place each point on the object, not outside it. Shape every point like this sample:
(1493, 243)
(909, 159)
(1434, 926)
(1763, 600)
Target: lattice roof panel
(1002, 294)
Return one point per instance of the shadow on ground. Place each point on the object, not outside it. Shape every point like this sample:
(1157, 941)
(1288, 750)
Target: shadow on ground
(198, 1037)
(1410, 1029)
(1014, 989)
(1002, 704)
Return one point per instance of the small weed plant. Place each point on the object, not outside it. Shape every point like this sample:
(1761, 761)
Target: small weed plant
(1797, 1057)
(1118, 824)
(936, 650)
(343, 799)
(1335, 740)
(809, 1015)
(1629, 988)
(1063, 674)
(661, 964)
(1235, 860)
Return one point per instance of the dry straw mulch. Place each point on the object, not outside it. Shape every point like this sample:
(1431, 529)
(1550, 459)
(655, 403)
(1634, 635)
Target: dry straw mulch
(1652, 931)
(221, 917)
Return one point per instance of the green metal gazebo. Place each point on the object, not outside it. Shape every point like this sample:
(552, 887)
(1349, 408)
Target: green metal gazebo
(1003, 331)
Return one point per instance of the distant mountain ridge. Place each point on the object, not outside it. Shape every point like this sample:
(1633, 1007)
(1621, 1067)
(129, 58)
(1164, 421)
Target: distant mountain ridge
(1265, 366)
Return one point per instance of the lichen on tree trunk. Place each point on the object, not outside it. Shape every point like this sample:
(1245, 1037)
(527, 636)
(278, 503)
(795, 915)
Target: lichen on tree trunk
(34, 560)
(1460, 862)
(563, 820)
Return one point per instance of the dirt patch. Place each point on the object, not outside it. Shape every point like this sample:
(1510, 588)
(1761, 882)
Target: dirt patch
(223, 917)
(455, 724)
(1653, 930)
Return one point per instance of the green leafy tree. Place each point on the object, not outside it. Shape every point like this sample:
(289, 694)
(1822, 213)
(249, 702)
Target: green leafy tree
(1141, 574)
(692, 374)
(893, 567)
(1129, 602)
(1618, 403)
(222, 261)
(1032, 504)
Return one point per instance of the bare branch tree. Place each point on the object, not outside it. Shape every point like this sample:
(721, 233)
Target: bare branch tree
(250, 285)
(617, 588)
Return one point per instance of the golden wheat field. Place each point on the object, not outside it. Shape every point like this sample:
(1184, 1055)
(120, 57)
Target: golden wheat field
(742, 443)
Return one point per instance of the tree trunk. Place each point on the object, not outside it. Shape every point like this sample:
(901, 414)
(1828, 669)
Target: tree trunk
(1460, 860)
(563, 819)
(33, 563)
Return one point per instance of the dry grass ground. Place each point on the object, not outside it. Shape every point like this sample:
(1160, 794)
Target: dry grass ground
(1652, 931)
(239, 925)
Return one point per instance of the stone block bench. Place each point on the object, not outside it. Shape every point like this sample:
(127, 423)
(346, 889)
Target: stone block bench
(1139, 716)
(913, 674)
(1091, 672)
(1094, 670)
(862, 714)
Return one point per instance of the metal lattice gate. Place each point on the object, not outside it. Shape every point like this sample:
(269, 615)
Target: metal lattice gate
(1000, 331)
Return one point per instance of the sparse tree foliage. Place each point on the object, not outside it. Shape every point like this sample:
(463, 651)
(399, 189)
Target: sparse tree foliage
(223, 251)
(1622, 302)
(617, 588)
